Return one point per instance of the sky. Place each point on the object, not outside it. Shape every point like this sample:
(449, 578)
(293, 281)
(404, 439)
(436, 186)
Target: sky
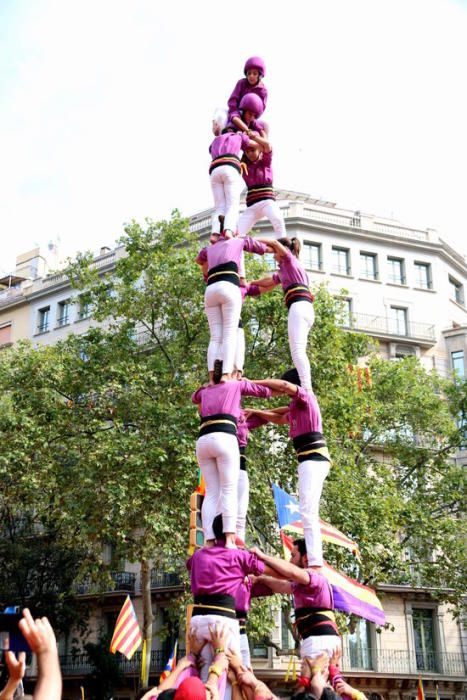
(106, 108)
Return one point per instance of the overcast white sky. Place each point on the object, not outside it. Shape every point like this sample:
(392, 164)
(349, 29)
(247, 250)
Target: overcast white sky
(106, 106)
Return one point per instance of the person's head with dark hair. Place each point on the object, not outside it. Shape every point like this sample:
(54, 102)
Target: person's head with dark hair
(292, 244)
(218, 527)
(375, 696)
(298, 555)
(302, 695)
(142, 691)
(291, 376)
(167, 694)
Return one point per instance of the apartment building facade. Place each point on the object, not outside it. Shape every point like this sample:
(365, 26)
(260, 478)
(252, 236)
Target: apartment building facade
(403, 286)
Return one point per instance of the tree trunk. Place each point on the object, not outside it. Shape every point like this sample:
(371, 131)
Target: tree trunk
(147, 615)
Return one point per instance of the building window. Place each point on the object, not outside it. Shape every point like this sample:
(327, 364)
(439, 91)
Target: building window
(396, 270)
(341, 261)
(423, 275)
(347, 313)
(312, 256)
(360, 646)
(456, 290)
(43, 319)
(84, 310)
(398, 320)
(368, 266)
(423, 630)
(457, 361)
(5, 334)
(63, 314)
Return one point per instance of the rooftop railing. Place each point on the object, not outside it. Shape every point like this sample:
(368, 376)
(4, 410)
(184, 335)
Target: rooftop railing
(124, 581)
(403, 662)
(163, 579)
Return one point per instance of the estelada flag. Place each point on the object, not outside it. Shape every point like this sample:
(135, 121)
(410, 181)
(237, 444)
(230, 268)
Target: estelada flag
(288, 514)
(420, 691)
(170, 665)
(127, 634)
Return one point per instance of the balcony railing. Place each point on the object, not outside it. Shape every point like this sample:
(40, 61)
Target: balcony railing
(405, 662)
(80, 665)
(380, 325)
(162, 579)
(124, 581)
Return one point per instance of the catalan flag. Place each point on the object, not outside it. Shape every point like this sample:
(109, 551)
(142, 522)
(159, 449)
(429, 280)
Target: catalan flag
(127, 634)
(420, 691)
(170, 665)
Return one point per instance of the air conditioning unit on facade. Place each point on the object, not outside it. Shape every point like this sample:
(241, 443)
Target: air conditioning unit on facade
(400, 350)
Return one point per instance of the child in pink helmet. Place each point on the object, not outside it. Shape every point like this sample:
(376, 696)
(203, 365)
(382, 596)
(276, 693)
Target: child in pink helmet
(251, 84)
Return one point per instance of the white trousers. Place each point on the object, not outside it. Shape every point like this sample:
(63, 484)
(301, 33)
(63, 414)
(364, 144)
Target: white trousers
(311, 476)
(313, 646)
(245, 650)
(239, 361)
(219, 461)
(223, 305)
(226, 185)
(243, 498)
(268, 208)
(300, 320)
(201, 623)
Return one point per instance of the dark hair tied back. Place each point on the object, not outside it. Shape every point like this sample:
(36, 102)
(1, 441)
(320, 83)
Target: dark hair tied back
(293, 244)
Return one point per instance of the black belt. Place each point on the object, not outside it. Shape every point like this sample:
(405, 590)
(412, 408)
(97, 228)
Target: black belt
(225, 272)
(242, 459)
(297, 292)
(311, 446)
(218, 604)
(226, 159)
(241, 617)
(218, 423)
(316, 622)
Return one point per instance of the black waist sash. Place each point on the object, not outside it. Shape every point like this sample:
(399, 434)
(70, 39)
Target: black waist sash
(217, 604)
(258, 193)
(297, 292)
(226, 159)
(241, 617)
(218, 423)
(242, 459)
(225, 272)
(311, 446)
(315, 622)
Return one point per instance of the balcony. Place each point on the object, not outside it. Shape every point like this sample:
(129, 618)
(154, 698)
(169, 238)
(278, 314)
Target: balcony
(383, 327)
(80, 665)
(162, 579)
(402, 662)
(125, 582)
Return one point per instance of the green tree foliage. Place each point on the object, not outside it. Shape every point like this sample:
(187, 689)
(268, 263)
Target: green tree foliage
(104, 430)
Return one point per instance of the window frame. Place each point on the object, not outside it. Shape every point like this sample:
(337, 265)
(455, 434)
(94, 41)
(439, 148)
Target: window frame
(43, 313)
(308, 260)
(458, 288)
(336, 268)
(418, 264)
(364, 273)
(396, 322)
(63, 313)
(402, 279)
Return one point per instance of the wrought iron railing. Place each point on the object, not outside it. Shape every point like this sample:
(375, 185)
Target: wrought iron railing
(405, 662)
(124, 581)
(80, 665)
(164, 579)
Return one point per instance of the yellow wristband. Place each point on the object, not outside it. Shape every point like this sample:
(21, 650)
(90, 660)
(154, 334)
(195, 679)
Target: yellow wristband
(216, 670)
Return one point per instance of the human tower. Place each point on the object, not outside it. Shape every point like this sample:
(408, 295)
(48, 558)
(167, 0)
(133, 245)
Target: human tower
(241, 152)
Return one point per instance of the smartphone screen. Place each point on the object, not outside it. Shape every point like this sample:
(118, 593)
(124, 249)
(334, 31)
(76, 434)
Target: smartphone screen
(11, 639)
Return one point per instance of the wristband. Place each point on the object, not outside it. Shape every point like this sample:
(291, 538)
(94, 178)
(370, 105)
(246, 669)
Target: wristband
(216, 670)
(234, 683)
(357, 695)
(219, 650)
(304, 682)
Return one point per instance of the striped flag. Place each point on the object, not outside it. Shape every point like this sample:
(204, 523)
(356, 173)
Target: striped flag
(127, 634)
(170, 665)
(349, 595)
(420, 691)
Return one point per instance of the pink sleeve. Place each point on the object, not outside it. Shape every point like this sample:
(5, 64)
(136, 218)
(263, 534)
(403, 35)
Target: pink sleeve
(267, 158)
(196, 395)
(276, 277)
(253, 290)
(234, 99)
(251, 389)
(202, 256)
(252, 565)
(253, 246)
(302, 396)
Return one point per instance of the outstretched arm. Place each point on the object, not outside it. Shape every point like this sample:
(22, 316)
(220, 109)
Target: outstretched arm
(266, 284)
(271, 416)
(16, 670)
(279, 385)
(284, 568)
(274, 245)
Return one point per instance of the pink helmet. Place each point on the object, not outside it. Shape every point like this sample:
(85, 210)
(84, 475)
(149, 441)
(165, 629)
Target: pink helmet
(252, 103)
(255, 62)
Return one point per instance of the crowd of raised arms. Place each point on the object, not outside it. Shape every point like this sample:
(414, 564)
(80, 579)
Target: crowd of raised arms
(224, 574)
